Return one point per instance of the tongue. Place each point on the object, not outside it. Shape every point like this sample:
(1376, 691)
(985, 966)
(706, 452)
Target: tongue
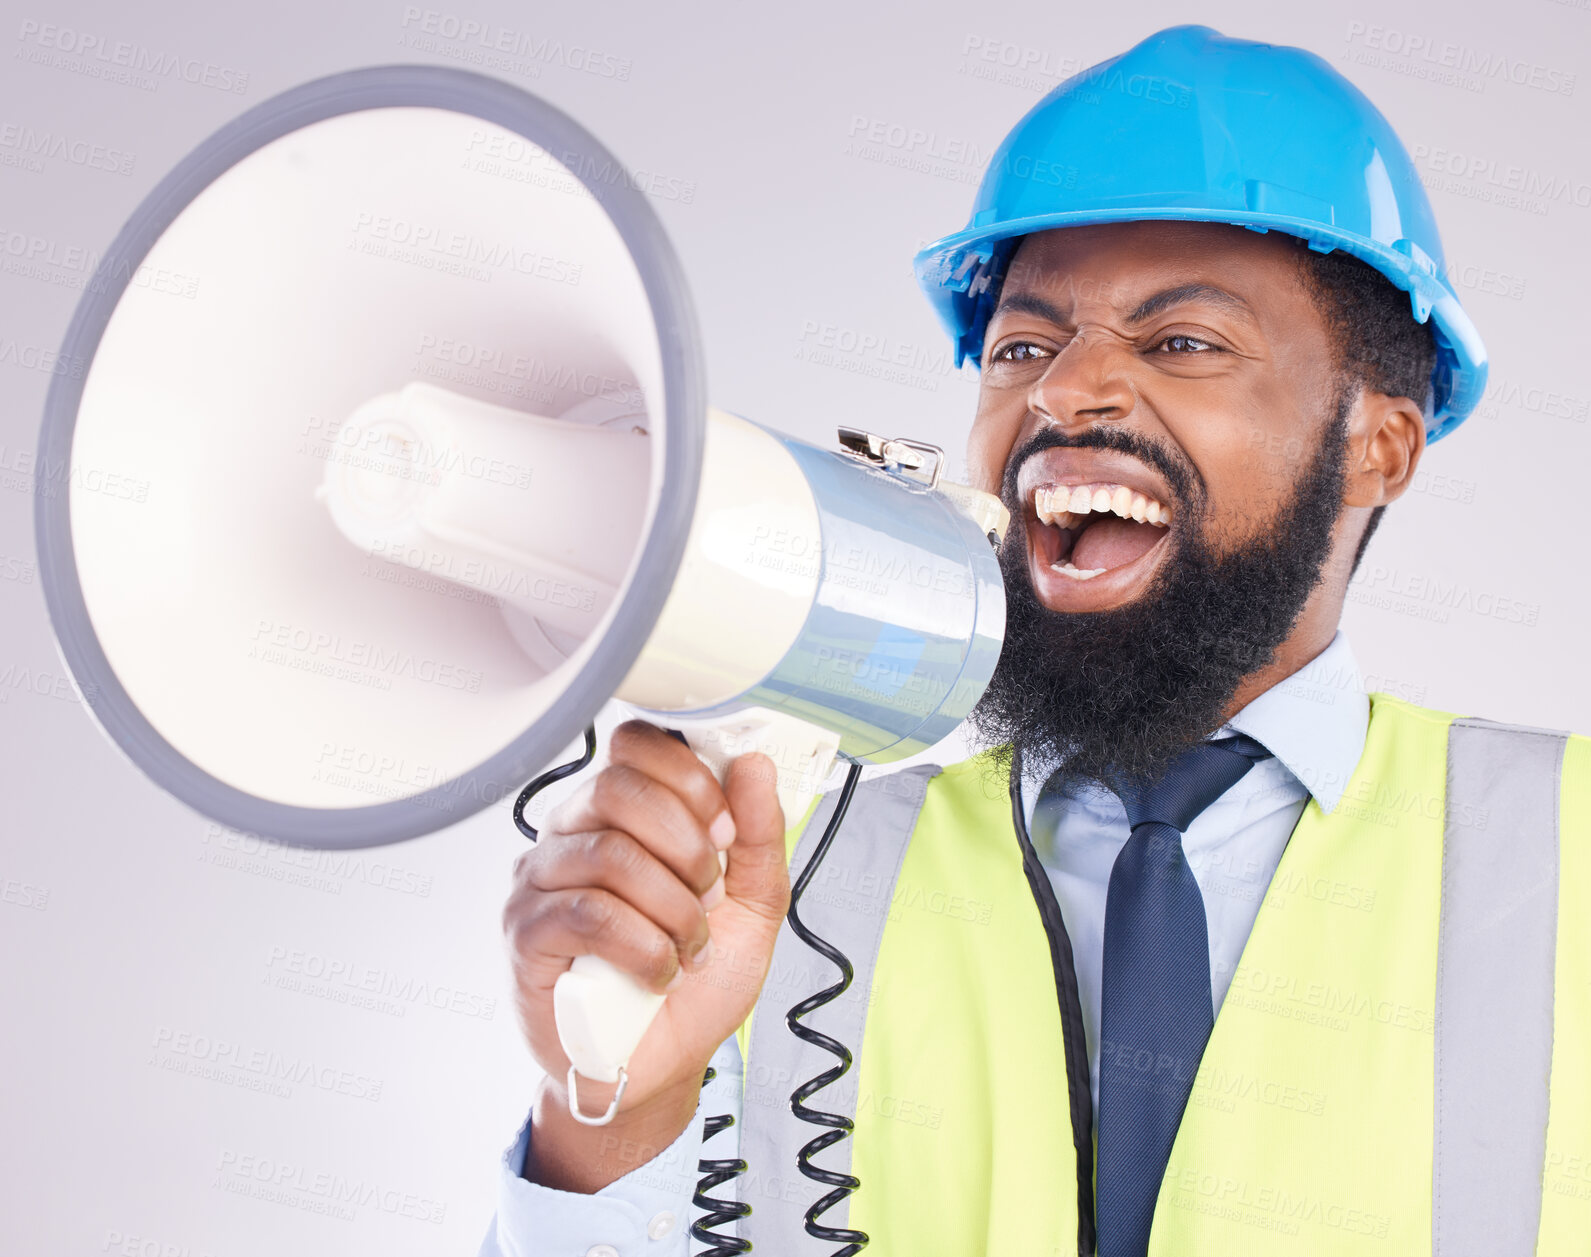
(1113, 542)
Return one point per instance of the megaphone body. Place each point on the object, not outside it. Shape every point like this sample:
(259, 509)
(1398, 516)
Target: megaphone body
(827, 604)
(430, 477)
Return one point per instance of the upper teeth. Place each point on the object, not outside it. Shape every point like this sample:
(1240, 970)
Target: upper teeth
(1063, 505)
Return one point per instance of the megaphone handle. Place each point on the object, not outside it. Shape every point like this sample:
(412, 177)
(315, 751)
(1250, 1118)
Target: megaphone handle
(601, 1012)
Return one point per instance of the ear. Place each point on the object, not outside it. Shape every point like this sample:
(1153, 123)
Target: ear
(1386, 436)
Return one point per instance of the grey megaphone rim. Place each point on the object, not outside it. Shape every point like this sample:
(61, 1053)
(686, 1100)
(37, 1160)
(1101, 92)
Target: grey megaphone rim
(685, 401)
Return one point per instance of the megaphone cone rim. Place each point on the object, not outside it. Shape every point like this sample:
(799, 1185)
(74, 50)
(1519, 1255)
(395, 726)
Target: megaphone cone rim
(684, 402)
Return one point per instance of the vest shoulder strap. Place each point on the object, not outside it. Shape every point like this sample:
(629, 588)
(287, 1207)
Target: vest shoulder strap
(1494, 986)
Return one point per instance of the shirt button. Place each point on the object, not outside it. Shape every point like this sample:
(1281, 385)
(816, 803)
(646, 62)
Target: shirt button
(661, 1225)
(602, 1250)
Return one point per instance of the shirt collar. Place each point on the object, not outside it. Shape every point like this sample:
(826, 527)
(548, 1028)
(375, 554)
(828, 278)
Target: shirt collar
(1313, 721)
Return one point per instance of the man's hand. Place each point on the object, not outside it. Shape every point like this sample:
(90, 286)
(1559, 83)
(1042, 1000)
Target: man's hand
(629, 869)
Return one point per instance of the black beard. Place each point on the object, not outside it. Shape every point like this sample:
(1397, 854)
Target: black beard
(1117, 694)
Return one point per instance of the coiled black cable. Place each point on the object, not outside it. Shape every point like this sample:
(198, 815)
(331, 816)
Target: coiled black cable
(538, 784)
(715, 1173)
(839, 1126)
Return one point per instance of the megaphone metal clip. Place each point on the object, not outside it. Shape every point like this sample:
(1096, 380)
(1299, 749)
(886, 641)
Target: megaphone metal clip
(914, 461)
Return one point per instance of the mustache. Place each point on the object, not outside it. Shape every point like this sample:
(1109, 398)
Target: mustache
(1187, 485)
(1119, 692)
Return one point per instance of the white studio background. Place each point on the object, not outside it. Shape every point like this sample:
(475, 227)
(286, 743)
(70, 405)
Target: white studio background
(798, 157)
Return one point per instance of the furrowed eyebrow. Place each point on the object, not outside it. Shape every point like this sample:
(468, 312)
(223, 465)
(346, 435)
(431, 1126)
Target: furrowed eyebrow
(1031, 303)
(1028, 303)
(1190, 292)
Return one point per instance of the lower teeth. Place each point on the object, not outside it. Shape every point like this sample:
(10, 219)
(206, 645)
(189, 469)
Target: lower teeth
(1076, 573)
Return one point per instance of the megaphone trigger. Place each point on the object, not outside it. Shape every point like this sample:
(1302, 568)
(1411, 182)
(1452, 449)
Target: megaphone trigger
(802, 753)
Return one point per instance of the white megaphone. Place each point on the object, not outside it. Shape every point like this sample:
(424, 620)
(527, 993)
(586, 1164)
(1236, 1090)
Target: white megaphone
(406, 379)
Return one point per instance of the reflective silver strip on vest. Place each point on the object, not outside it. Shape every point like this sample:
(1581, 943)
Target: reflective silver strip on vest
(1494, 987)
(847, 903)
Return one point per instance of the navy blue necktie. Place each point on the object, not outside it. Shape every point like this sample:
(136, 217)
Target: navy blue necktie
(1157, 1011)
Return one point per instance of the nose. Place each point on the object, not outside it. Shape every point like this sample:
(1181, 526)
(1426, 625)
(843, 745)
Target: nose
(1086, 382)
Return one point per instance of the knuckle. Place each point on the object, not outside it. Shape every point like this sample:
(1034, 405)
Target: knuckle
(698, 932)
(615, 786)
(659, 958)
(589, 913)
(705, 869)
(613, 850)
(628, 738)
(518, 928)
(706, 795)
(552, 823)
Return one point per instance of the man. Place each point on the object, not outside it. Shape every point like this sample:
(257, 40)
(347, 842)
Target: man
(1245, 960)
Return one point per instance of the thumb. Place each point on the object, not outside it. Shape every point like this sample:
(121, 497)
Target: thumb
(758, 873)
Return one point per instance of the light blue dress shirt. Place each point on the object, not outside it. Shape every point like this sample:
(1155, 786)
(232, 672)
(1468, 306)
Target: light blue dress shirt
(1313, 723)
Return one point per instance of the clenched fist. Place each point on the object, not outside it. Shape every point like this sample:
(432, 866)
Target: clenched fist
(683, 884)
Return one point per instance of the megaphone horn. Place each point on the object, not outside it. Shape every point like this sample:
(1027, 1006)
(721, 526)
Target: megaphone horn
(432, 477)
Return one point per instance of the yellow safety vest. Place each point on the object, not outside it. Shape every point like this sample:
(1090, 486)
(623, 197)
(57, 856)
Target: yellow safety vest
(1378, 1080)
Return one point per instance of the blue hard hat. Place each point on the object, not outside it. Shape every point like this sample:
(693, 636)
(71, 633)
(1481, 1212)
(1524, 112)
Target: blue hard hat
(1192, 125)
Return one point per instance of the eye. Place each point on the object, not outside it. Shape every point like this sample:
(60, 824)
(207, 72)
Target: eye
(1186, 341)
(1019, 351)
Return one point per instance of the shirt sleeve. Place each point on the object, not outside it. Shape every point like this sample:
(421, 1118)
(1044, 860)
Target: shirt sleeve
(647, 1213)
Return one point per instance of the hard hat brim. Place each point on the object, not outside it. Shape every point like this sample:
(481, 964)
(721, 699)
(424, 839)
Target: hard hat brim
(960, 273)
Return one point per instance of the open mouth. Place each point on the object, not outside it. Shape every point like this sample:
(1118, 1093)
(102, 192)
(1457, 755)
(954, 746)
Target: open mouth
(1097, 527)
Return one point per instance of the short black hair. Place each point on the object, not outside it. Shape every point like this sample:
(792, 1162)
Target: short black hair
(1375, 339)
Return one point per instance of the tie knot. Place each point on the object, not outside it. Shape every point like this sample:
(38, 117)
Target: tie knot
(1197, 778)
